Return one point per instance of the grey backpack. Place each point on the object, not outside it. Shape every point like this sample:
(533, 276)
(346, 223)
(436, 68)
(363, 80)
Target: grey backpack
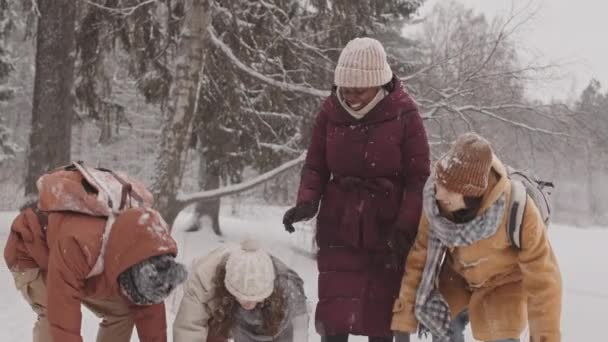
(524, 186)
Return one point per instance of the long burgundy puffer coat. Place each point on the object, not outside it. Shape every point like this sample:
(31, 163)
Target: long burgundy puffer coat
(368, 175)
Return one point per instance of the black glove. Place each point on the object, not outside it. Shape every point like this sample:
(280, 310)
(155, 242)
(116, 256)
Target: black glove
(301, 212)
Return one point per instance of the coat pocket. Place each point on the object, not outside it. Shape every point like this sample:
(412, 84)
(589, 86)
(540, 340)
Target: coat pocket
(332, 206)
(330, 216)
(399, 305)
(388, 207)
(24, 278)
(403, 319)
(32, 286)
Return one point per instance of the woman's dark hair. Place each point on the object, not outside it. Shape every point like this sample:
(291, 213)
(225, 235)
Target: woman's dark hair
(390, 86)
(222, 317)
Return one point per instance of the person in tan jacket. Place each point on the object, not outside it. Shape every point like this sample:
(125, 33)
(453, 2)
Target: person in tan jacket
(55, 258)
(242, 293)
(462, 257)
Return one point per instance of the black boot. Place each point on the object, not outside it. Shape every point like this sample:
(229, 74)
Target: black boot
(380, 339)
(335, 338)
(193, 228)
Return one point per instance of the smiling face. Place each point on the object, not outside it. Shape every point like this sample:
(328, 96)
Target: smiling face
(357, 98)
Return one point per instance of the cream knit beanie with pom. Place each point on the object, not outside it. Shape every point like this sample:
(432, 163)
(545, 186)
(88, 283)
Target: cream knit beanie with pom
(250, 273)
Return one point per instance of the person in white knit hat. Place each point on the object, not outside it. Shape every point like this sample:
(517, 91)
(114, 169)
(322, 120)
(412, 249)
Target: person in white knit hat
(242, 293)
(365, 169)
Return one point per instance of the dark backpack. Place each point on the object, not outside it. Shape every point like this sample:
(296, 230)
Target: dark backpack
(524, 186)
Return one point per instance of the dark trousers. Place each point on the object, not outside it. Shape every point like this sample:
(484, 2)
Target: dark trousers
(458, 325)
(344, 338)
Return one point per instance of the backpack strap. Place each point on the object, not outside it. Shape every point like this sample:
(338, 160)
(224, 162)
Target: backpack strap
(517, 204)
(99, 185)
(127, 190)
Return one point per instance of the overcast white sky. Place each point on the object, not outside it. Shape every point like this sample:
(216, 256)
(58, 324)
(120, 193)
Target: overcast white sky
(568, 32)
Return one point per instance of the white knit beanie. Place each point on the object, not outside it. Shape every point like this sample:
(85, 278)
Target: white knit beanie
(250, 273)
(362, 64)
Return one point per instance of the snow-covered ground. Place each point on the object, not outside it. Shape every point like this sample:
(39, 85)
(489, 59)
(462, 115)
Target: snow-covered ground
(581, 253)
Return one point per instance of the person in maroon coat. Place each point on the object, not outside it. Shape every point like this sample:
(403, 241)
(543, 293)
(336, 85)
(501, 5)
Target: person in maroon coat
(367, 164)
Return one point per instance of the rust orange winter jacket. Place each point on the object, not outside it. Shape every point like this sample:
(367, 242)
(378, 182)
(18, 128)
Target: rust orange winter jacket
(66, 251)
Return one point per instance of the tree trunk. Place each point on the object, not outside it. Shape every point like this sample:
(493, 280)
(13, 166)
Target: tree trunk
(105, 137)
(181, 108)
(52, 110)
(208, 179)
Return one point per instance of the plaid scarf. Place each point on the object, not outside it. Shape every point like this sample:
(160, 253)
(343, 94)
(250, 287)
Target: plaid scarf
(432, 310)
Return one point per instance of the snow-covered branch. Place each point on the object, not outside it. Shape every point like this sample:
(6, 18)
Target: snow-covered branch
(239, 64)
(429, 67)
(187, 199)
(35, 9)
(227, 13)
(270, 114)
(279, 148)
(125, 11)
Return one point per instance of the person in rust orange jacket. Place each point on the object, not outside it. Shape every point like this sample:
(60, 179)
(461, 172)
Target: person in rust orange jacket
(122, 271)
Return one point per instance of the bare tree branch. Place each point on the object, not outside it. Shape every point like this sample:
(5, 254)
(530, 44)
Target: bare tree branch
(491, 114)
(125, 11)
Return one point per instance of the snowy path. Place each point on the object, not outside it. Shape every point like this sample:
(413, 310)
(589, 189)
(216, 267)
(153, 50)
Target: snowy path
(581, 254)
